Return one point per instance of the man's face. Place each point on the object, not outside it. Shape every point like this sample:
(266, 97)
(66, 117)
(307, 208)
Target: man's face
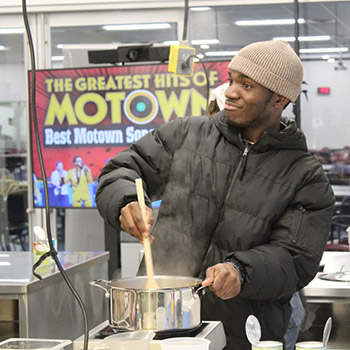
(248, 104)
(79, 162)
(59, 166)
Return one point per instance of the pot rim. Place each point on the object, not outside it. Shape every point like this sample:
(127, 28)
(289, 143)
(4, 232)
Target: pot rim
(125, 280)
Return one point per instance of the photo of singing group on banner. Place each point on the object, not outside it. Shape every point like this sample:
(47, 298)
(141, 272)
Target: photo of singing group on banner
(88, 115)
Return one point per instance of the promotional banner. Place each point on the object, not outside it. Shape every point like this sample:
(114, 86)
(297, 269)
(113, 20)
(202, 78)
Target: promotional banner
(88, 115)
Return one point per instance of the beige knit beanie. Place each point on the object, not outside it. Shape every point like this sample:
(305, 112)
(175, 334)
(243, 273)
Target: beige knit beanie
(272, 64)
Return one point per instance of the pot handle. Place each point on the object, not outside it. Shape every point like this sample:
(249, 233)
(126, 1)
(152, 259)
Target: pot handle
(103, 284)
(198, 292)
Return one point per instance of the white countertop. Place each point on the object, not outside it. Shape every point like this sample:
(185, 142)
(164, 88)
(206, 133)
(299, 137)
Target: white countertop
(319, 290)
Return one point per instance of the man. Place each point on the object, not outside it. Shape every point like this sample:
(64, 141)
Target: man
(244, 205)
(79, 177)
(216, 104)
(60, 191)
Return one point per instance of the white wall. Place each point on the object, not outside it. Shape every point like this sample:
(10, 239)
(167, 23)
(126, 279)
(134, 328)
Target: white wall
(325, 118)
(12, 83)
(84, 230)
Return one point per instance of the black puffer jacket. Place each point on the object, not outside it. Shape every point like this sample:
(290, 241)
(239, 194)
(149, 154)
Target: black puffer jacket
(269, 208)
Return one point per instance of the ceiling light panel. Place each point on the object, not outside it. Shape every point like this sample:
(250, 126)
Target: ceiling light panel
(304, 38)
(205, 42)
(269, 22)
(324, 50)
(57, 58)
(221, 53)
(144, 26)
(11, 30)
(199, 9)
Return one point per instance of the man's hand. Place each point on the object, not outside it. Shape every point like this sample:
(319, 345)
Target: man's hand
(131, 221)
(224, 280)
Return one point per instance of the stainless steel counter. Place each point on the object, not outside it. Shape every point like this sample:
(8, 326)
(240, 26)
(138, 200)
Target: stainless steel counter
(322, 291)
(341, 190)
(319, 290)
(323, 298)
(47, 308)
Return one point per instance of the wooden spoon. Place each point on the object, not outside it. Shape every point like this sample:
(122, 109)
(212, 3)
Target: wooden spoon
(151, 282)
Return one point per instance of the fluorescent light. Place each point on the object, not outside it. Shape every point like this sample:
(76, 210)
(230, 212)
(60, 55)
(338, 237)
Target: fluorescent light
(205, 47)
(171, 42)
(324, 49)
(205, 41)
(137, 26)
(326, 57)
(4, 255)
(200, 8)
(200, 56)
(14, 280)
(304, 38)
(5, 263)
(2, 47)
(11, 30)
(57, 58)
(331, 60)
(269, 22)
(105, 46)
(59, 46)
(221, 53)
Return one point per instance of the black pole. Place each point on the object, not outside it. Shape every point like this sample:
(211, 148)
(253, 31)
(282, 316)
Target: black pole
(184, 32)
(296, 106)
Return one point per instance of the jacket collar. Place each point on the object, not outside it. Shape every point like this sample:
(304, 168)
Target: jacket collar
(289, 137)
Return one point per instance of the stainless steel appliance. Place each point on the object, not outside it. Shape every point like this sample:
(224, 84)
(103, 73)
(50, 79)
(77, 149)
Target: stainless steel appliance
(212, 330)
(30, 308)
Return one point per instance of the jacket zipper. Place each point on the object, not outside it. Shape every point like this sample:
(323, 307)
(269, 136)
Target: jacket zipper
(235, 175)
(234, 178)
(302, 211)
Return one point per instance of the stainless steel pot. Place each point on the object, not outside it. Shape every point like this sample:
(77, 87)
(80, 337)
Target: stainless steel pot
(174, 306)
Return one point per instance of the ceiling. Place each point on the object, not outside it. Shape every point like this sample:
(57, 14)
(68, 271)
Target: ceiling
(321, 18)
